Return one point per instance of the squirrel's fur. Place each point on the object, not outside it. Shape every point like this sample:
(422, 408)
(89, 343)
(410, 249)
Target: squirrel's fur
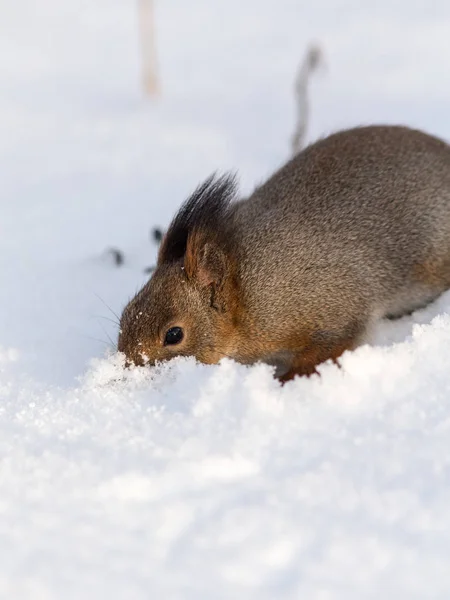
(354, 228)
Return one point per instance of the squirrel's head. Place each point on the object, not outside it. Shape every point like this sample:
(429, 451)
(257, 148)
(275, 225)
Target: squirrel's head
(188, 308)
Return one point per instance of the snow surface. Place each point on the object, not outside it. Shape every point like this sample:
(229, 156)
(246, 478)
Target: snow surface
(191, 482)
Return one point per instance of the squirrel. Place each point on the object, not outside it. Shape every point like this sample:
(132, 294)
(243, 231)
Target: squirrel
(354, 228)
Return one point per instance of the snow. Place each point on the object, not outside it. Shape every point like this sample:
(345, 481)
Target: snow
(189, 481)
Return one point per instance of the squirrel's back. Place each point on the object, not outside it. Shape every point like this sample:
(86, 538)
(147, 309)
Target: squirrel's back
(366, 208)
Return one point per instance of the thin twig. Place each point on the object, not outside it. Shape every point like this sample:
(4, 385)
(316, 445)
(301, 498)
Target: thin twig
(150, 77)
(310, 63)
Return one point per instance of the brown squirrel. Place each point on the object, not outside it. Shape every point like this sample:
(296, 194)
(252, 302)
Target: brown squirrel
(354, 228)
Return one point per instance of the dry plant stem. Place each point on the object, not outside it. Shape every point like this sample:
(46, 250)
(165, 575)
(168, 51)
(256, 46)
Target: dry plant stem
(148, 48)
(310, 63)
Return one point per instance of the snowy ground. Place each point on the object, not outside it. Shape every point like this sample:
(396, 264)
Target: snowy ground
(192, 482)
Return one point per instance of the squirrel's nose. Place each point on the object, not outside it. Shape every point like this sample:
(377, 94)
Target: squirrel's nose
(133, 359)
(138, 360)
(131, 356)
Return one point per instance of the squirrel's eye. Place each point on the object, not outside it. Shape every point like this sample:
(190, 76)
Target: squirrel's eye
(174, 335)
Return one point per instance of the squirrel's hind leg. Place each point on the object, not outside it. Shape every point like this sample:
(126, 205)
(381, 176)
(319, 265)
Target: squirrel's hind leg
(325, 345)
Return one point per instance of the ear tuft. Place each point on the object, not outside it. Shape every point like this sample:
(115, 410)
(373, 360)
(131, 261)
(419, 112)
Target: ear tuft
(205, 211)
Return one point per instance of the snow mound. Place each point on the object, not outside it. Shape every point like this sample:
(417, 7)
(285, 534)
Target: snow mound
(193, 481)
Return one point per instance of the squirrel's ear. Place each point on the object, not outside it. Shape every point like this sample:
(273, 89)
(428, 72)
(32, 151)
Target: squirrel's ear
(205, 261)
